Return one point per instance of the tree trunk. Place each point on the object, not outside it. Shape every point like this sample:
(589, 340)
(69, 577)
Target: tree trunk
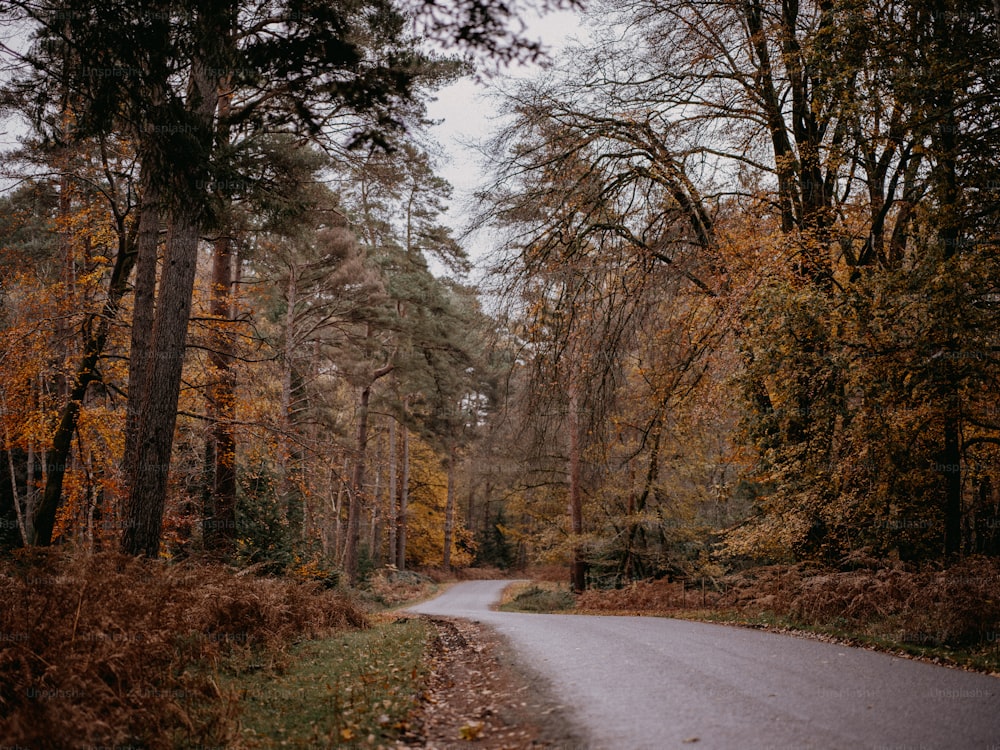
(354, 499)
(374, 541)
(338, 520)
(637, 506)
(951, 466)
(404, 498)
(144, 298)
(219, 518)
(68, 277)
(160, 325)
(578, 567)
(393, 515)
(948, 195)
(219, 522)
(291, 300)
(157, 405)
(449, 508)
(291, 404)
(23, 515)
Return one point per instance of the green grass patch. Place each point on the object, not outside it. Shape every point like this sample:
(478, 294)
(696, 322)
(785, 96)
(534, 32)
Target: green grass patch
(538, 597)
(353, 690)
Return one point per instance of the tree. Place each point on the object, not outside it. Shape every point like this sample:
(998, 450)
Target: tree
(779, 159)
(162, 89)
(94, 234)
(413, 341)
(597, 237)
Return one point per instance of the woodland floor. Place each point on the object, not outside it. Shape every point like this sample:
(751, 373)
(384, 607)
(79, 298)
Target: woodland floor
(480, 696)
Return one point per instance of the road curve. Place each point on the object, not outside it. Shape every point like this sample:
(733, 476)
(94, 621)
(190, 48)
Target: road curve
(634, 683)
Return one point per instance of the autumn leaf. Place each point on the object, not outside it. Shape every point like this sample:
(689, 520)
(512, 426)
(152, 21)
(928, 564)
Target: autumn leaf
(471, 731)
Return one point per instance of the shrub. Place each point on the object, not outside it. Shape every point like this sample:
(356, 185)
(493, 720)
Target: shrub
(537, 599)
(108, 650)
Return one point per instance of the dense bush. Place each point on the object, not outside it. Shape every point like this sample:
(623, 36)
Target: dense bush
(956, 607)
(107, 650)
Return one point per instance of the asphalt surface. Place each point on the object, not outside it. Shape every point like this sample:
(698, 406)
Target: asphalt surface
(633, 683)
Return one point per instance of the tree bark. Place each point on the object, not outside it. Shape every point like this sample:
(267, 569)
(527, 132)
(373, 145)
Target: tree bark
(578, 567)
(404, 499)
(354, 500)
(160, 325)
(291, 382)
(449, 508)
(219, 517)
(951, 468)
(219, 523)
(143, 312)
(947, 192)
(375, 512)
(157, 416)
(393, 515)
(338, 516)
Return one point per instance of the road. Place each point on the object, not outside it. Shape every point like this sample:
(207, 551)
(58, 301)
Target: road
(638, 683)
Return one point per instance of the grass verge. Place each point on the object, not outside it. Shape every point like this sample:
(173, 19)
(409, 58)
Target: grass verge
(537, 596)
(980, 658)
(356, 689)
(947, 615)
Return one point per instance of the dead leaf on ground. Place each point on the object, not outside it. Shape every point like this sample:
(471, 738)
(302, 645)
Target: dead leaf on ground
(471, 731)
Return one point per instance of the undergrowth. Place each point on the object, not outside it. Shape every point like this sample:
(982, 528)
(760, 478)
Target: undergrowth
(388, 589)
(950, 614)
(108, 650)
(538, 597)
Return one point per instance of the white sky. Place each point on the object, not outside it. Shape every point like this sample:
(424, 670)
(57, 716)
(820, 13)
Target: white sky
(468, 116)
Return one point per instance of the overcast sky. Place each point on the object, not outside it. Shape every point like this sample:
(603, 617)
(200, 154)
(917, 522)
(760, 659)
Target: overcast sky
(468, 115)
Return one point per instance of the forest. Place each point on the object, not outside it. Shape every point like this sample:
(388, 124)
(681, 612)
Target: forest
(741, 303)
(729, 301)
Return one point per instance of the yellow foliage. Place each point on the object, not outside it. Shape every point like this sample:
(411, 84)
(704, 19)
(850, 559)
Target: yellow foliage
(426, 519)
(768, 537)
(471, 731)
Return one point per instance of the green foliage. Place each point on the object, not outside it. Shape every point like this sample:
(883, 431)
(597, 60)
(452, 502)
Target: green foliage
(313, 566)
(366, 565)
(263, 538)
(493, 548)
(28, 229)
(794, 401)
(650, 547)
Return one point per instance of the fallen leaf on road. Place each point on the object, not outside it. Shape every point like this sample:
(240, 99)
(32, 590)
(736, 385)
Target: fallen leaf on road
(471, 731)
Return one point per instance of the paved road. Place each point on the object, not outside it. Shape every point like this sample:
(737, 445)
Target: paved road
(649, 682)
